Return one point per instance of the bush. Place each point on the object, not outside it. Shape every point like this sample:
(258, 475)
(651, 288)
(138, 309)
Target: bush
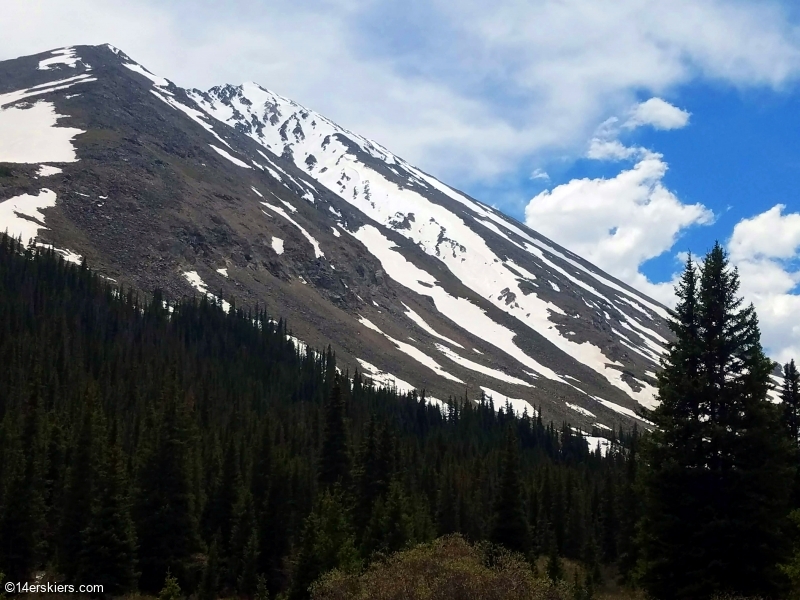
(446, 569)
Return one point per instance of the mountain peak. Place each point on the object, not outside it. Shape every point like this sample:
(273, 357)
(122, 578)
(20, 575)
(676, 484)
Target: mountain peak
(237, 191)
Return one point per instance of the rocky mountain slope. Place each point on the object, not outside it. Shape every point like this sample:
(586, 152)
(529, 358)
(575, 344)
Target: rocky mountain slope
(246, 195)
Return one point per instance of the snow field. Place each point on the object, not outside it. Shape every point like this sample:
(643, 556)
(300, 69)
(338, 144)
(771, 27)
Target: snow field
(32, 135)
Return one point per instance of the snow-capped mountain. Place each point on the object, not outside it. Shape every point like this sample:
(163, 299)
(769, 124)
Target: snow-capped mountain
(242, 193)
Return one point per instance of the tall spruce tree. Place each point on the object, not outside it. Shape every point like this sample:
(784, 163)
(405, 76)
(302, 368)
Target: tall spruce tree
(510, 524)
(334, 461)
(715, 473)
(790, 397)
(327, 542)
(167, 524)
(77, 510)
(108, 553)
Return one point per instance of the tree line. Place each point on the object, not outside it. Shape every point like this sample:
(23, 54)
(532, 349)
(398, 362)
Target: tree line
(147, 445)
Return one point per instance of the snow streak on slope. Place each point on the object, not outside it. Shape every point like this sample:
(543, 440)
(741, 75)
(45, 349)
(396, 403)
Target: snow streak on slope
(44, 88)
(412, 352)
(230, 157)
(479, 368)
(137, 68)
(318, 253)
(421, 322)
(383, 379)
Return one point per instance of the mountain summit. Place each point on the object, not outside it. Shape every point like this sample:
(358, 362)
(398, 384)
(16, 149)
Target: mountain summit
(243, 194)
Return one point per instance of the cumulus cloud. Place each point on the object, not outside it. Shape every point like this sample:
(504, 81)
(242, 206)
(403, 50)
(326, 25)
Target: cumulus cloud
(618, 223)
(657, 113)
(600, 149)
(770, 235)
(766, 250)
(465, 89)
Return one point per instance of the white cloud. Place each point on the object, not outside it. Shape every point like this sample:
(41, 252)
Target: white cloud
(466, 89)
(766, 250)
(771, 235)
(618, 223)
(540, 174)
(659, 114)
(600, 149)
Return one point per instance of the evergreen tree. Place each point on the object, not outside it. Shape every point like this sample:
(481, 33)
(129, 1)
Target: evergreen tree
(262, 593)
(334, 461)
(390, 528)
(77, 512)
(243, 546)
(555, 566)
(716, 467)
(165, 513)
(171, 589)
(510, 524)
(108, 553)
(327, 542)
(790, 397)
(209, 583)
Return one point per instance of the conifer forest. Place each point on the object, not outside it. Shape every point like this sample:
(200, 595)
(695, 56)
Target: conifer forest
(171, 449)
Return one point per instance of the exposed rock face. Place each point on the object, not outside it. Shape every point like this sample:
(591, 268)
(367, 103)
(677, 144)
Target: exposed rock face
(249, 196)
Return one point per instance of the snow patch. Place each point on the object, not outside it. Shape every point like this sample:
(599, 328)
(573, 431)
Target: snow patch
(48, 170)
(384, 379)
(32, 135)
(518, 406)
(277, 245)
(63, 56)
(197, 283)
(22, 216)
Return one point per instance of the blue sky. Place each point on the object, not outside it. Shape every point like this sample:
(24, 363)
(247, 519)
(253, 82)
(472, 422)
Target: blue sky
(630, 131)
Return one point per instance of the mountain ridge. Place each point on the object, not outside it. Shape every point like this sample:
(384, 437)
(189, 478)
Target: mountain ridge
(245, 194)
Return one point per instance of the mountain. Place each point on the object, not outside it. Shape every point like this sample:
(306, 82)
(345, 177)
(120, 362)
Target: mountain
(242, 193)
